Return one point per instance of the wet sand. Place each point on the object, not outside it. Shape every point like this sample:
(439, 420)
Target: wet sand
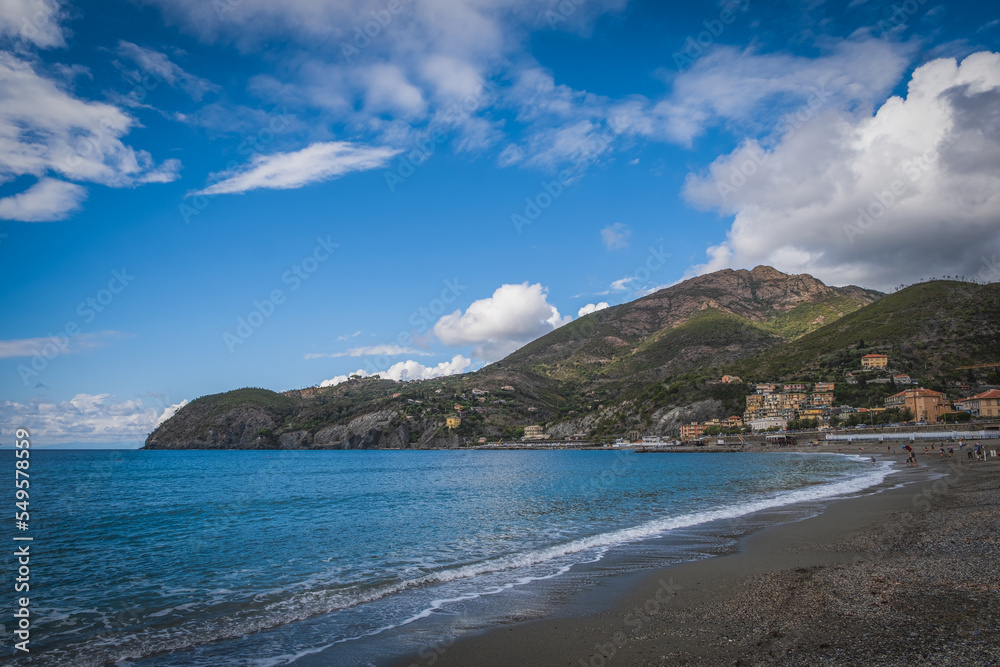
(906, 576)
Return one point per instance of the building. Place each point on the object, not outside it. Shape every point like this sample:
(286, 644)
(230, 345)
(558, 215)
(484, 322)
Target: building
(755, 406)
(453, 422)
(824, 386)
(822, 399)
(986, 404)
(795, 388)
(925, 404)
(728, 379)
(874, 361)
(692, 431)
(765, 388)
(534, 432)
(851, 378)
(902, 378)
(507, 387)
(479, 392)
(764, 423)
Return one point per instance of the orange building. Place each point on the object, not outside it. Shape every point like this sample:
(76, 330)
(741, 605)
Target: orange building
(692, 431)
(925, 404)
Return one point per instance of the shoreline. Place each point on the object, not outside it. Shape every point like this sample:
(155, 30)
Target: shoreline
(896, 576)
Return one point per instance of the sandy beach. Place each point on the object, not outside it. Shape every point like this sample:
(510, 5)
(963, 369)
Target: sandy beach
(901, 577)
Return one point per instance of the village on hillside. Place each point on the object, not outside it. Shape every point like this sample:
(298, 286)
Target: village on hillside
(772, 407)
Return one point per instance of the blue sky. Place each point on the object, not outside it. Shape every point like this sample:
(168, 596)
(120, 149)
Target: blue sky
(197, 196)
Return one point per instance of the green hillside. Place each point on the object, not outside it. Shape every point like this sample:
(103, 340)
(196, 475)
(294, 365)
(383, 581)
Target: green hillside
(928, 329)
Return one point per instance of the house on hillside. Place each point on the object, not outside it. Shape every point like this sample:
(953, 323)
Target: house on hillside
(902, 378)
(872, 361)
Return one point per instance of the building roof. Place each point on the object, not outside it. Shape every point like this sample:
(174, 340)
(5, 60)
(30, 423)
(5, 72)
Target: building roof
(992, 393)
(918, 392)
(869, 356)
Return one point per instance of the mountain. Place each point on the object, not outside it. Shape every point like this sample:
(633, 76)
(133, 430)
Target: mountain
(705, 321)
(647, 365)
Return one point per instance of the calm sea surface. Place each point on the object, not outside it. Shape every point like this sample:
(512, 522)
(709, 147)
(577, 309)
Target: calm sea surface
(274, 558)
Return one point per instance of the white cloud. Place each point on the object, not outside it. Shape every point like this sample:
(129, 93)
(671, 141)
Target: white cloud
(91, 418)
(911, 192)
(387, 89)
(744, 90)
(370, 350)
(591, 308)
(160, 66)
(621, 284)
(316, 162)
(391, 75)
(169, 412)
(410, 370)
(350, 336)
(35, 21)
(616, 236)
(48, 199)
(500, 324)
(44, 129)
(48, 346)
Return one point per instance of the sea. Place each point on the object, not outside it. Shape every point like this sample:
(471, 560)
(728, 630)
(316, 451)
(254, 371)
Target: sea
(267, 558)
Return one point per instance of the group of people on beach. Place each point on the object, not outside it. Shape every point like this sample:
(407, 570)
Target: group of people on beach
(975, 453)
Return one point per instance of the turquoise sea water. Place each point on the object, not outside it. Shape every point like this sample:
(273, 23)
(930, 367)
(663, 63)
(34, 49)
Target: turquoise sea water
(266, 558)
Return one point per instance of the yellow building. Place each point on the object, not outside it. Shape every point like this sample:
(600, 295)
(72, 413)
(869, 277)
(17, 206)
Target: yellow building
(824, 386)
(874, 361)
(453, 422)
(986, 404)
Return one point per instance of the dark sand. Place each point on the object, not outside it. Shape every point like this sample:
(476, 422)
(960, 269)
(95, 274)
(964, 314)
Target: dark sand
(903, 577)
